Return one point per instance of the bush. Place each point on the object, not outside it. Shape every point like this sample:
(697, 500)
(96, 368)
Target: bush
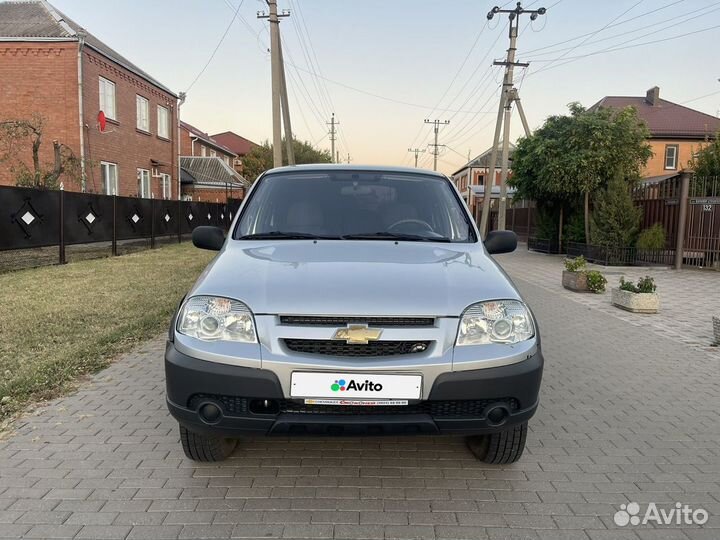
(616, 219)
(644, 285)
(578, 264)
(652, 238)
(596, 281)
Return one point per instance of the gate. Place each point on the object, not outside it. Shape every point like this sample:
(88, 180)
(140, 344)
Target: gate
(702, 236)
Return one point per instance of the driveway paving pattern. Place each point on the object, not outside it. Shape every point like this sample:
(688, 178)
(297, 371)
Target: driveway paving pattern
(627, 415)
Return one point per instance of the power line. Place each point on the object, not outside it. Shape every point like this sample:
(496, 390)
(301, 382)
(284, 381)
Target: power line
(222, 38)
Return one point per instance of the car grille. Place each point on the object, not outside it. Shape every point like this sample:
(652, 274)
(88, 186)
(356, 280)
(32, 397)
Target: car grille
(333, 347)
(470, 408)
(301, 320)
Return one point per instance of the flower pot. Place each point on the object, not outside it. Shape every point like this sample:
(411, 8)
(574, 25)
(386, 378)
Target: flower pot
(575, 281)
(636, 302)
(716, 329)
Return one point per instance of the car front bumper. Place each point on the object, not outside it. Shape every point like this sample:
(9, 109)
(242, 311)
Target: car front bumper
(251, 400)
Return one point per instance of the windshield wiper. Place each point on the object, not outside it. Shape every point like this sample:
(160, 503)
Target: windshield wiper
(394, 236)
(286, 235)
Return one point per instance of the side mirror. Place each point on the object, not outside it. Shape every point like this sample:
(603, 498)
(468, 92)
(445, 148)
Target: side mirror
(206, 237)
(500, 242)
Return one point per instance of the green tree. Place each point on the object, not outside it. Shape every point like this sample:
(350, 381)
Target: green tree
(572, 157)
(707, 161)
(616, 220)
(260, 158)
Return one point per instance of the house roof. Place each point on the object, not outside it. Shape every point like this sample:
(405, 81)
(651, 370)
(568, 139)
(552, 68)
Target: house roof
(664, 118)
(238, 144)
(37, 20)
(207, 139)
(483, 160)
(209, 171)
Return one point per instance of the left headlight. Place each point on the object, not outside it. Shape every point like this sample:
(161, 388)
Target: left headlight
(499, 321)
(213, 318)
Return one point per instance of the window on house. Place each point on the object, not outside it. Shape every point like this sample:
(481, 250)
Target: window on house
(165, 181)
(109, 174)
(163, 122)
(671, 156)
(213, 153)
(143, 108)
(203, 151)
(143, 177)
(107, 98)
(226, 160)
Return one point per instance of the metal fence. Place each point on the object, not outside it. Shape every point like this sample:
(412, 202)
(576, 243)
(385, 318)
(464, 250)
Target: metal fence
(622, 256)
(39, 227)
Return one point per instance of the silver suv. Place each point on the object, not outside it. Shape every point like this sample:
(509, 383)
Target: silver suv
(353, 300)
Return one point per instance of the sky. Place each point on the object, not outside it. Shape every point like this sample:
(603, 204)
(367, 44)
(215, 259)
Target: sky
(383, 67)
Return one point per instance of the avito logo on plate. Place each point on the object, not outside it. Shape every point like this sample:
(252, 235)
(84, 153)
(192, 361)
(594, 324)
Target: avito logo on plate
(340, 385)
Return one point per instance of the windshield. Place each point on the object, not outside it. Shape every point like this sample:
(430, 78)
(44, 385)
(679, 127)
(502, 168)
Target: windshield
(355, 206)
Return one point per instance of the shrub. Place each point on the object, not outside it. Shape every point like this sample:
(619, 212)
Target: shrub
(652, 238)
(578, 264)
(596, 281)
(615, 220)
(644, 285)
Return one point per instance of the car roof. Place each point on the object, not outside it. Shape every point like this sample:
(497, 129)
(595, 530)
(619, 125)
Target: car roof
(327, 167)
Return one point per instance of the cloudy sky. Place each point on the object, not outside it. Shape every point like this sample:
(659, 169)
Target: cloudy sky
(383, 67)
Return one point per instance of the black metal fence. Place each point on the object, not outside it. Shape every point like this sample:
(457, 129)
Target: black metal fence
(624, 256)
(34, 223)
(544, 245)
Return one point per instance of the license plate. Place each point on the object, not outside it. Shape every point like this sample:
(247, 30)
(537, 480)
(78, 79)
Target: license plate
(346, 386)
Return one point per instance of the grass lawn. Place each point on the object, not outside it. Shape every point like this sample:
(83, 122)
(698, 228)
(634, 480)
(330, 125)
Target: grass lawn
(60, 322)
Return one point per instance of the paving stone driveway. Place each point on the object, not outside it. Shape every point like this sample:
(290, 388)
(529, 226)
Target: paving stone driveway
(626, 415)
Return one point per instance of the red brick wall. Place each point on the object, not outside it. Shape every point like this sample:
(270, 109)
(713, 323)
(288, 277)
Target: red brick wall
(212, 195)
(122, 143)
(40, 78)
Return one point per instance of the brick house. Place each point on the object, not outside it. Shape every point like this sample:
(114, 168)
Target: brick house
(50, 66)
(238, 144)
(676, 131)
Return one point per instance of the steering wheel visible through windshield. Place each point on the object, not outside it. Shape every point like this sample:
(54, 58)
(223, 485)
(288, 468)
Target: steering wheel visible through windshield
(359, 205)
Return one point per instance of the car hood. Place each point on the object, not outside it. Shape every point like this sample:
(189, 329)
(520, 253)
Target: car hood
(380, 278)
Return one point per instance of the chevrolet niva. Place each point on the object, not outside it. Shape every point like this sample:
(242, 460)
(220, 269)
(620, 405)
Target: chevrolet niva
(353, 300)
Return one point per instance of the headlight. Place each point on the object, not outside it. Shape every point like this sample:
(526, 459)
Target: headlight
(212, 318)
(500, 321)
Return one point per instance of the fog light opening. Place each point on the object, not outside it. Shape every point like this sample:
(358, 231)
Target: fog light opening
(264, 406)
(210, 413)
(497, 415)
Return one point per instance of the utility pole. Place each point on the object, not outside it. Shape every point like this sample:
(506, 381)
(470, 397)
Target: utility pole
(435, 145)
(333, 135)
(277, 76)
(348, 158)
(508, 96)
(286, 111)
(416, 151)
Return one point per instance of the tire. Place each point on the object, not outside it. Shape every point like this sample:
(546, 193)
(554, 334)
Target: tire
(205, 448)
(499, 448)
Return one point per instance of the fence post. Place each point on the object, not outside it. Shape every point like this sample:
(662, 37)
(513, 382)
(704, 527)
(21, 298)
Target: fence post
(61, 228)
(179, 219)
(680, 240)
(152, 222)
(114, 226)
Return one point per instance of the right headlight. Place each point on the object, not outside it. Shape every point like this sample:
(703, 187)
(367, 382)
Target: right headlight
(498, 321)
(213, 318)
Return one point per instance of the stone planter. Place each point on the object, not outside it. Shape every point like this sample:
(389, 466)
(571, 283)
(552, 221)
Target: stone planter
(636, 302)
(575, 281)
(716, 329)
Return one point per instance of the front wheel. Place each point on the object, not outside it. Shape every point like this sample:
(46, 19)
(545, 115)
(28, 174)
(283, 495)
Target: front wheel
(499, 448)
(205, 448)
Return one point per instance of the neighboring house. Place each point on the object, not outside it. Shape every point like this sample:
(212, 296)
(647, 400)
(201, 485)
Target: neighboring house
(210, 179)
(676, 131)
(194, 142)
(50, 66)
(475, 172)
(240, 145)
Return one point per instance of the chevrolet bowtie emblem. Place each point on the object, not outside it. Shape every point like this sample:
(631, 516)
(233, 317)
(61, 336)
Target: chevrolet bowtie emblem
(358, 334)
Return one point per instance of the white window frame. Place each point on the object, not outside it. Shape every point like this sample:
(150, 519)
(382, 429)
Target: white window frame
(213, 153)
(163, 123)
(144, 183)
(107, 98)
(203, 151)
(110, 185)
(166, 185)
(676, 150)
(142, 108)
